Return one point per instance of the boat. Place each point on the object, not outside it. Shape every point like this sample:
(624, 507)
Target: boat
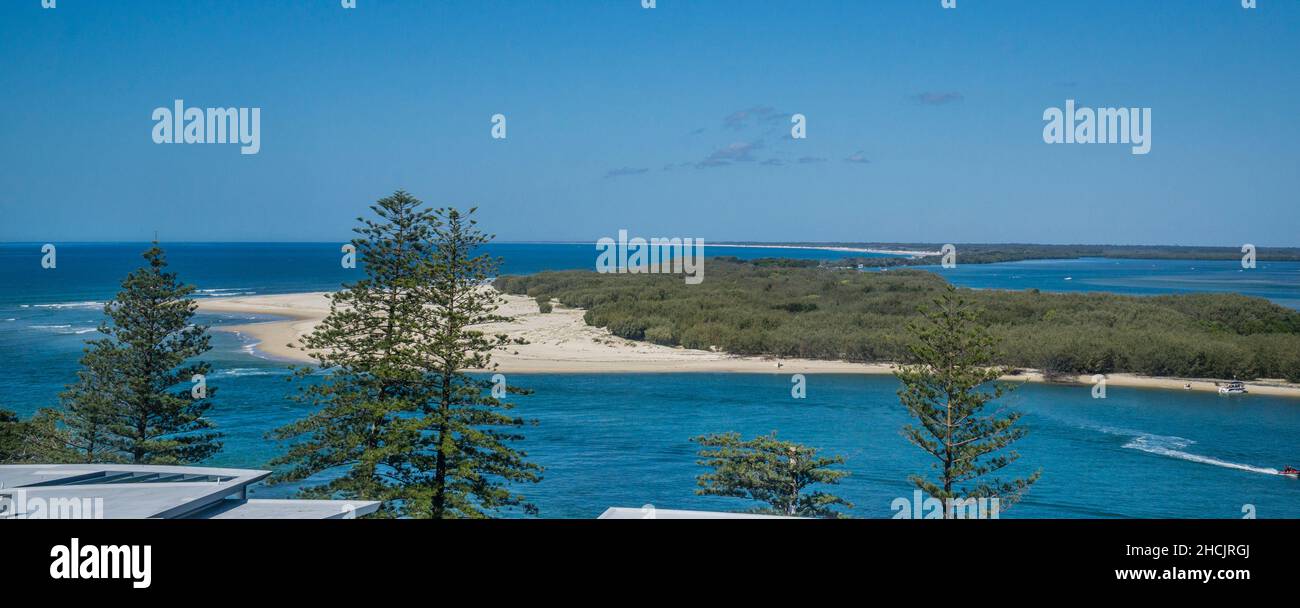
(1233, 388)
(1290, 472)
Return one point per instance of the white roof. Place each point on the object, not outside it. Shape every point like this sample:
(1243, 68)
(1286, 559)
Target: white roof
(123, 491)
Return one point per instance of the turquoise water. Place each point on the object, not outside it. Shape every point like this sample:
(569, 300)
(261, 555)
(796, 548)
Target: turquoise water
(623, 439)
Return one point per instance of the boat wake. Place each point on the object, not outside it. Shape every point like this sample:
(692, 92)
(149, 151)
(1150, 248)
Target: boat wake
(1172, 447)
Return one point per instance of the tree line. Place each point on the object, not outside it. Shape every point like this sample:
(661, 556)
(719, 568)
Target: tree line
(824, 313)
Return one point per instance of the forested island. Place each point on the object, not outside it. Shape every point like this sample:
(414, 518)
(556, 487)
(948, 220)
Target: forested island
(794, 309)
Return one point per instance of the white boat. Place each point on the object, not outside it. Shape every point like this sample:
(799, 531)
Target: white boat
(1233, 388)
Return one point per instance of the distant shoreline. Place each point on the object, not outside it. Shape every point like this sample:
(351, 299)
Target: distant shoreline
(561, 342)
(906, 252)
(915, 253)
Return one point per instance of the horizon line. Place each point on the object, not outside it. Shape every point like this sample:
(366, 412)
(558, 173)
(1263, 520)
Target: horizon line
(808, 244)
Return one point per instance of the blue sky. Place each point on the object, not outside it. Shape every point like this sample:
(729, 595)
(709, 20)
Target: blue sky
(665, 122)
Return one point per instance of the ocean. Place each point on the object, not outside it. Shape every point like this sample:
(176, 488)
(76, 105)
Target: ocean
(624, 439)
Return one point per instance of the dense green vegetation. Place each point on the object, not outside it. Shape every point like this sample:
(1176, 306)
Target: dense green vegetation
(798, 311)
(35, 440)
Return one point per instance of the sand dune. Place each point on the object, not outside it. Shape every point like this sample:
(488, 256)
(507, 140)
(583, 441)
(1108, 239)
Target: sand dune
(561, 342)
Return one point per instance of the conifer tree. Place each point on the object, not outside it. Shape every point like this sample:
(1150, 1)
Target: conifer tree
(398, 409)
(949, 382)
(12, 435)
(35, 440)
(93, 405)
(769, 470)
(467, 430)
(133, 399)
(374, 371)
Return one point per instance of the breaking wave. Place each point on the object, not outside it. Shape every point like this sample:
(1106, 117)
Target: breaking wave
(69, 305)
(240, 372)
(65, 329)
(224, 292)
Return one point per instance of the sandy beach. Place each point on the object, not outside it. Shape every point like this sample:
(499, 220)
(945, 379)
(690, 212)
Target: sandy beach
(561, 342)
